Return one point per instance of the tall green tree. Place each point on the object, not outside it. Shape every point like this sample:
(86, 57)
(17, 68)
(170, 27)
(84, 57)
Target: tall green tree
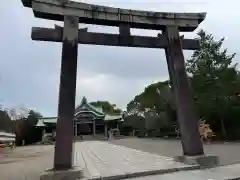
(153, 97)
(25, 128)
(33, 117)
(155, 104)
(6, 123)
(214, 80)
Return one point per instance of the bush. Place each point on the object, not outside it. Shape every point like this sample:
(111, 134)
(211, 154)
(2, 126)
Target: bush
(205, 131)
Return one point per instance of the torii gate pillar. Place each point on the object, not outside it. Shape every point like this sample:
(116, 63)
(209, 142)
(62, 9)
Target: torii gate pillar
(67, 93)
(187, 117)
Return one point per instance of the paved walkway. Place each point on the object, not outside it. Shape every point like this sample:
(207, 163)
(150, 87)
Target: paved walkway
(230, 172)
(102, 159)
(228, 153)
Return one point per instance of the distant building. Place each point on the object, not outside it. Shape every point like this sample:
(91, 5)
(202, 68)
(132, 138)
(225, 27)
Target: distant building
(89, 120)
(7, 138)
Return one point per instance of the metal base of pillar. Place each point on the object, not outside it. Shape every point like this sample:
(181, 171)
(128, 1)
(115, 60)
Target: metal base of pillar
(204, 161)
(71, 174)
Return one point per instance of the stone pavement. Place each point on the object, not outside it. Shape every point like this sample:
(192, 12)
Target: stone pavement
(230, 172)
(228, 153)
(108, 161)
(103, 159)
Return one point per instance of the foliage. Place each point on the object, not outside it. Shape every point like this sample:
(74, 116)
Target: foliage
(216, 85)
(6, 123)
(153, 109)
(135, 121)
(33, 117)
(149, 99)
(106, 107)
(22, 126)
(215, 81)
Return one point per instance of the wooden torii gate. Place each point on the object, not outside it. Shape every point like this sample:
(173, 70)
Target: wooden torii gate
(73, 13)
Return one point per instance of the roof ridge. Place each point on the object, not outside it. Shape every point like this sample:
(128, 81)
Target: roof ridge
(94, 108)
(53, 117)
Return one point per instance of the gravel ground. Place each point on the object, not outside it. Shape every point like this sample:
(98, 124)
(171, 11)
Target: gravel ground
(228, 152)
(26, 163)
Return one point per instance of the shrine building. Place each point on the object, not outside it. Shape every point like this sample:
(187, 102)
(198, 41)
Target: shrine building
(89, 120)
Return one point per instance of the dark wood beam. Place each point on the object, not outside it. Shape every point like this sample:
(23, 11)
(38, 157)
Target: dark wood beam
(84, 37)
(27, 3)
(125, 30)
(187, 115)
(109, 16)
(125, 34)
(67, 94)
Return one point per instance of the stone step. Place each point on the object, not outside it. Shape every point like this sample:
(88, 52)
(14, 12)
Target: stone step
(229, 172)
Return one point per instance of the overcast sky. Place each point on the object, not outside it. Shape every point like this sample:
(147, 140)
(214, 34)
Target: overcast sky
(29, 71)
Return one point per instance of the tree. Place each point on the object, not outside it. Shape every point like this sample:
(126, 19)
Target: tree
(24, 127)
(135, 121)
(31, 133)
(216, 85)
(107, 107)
(150, 98)
(155, 104)
(214, 81)
(6, 123)
(33, 117)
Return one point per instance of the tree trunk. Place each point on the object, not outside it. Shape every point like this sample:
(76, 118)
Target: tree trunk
(223, 128)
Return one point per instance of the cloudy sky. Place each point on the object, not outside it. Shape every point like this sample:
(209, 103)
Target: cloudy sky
(29, 71)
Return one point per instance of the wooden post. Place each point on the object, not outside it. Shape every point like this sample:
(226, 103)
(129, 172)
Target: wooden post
(125, 34)
(170, 65)
(75, 130)
(187, 116)
(124, 30)
(43, 133)
(105, 129)
(94, 128)
(67, 93)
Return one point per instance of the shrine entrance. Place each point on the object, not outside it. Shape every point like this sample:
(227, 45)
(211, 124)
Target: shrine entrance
(84, 129)
(73, 13)
(84, 124)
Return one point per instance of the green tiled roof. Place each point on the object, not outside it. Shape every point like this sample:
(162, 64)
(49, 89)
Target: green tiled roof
(99, 109)
(43, 121)
(49, 120)
(95, 110)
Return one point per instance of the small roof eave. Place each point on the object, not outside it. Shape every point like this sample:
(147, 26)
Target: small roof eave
(96, 114)
(40, 123)
(48, 120)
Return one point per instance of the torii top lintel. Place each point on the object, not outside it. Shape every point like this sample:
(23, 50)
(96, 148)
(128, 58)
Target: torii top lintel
(109, 16)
